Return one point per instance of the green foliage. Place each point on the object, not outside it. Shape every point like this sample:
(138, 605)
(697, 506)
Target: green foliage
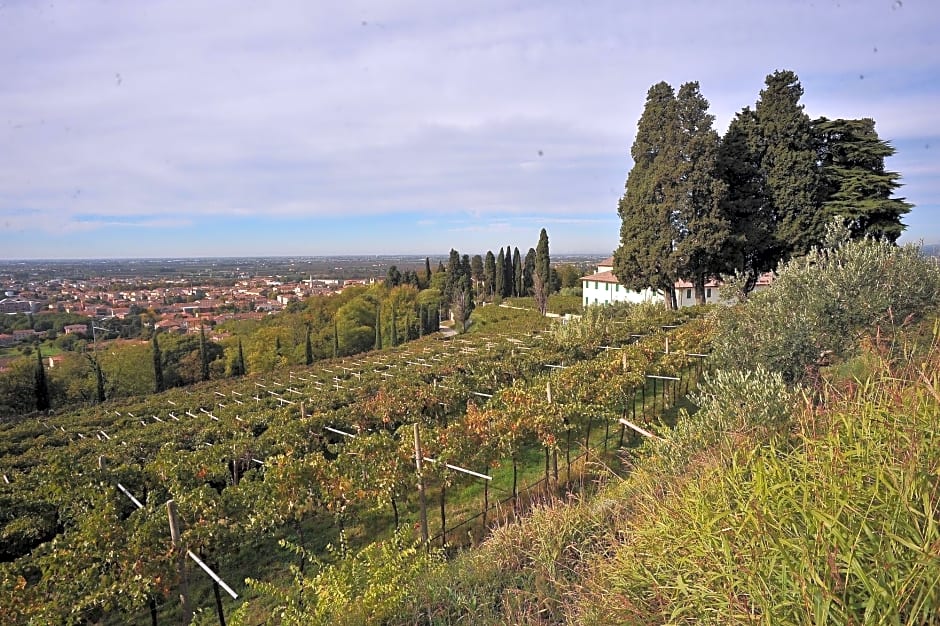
(835, 526)
(856, 186)
(41, 386)
(785, 145)
(731, 406)
(644, 257)
(820, 304)
(368, 587)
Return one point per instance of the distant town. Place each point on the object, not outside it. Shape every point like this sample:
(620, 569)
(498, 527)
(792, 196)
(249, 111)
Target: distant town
(182, 295)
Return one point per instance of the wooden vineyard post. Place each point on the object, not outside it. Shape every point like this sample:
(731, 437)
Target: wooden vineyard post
(443, 515)
(421, 499)
(173, 515)
(486, 504)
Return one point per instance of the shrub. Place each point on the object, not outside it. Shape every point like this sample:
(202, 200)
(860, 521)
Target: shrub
(822, 303)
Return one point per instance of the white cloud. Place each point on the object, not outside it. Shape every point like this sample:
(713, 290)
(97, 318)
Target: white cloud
(192, 109)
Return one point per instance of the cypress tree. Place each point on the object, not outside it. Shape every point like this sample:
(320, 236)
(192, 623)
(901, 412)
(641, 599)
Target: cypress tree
(499, 274)
(308, 348)
(241, 370)
(41, 385)
(203, 353)
(427, 272)
(277, 345)
(99, 382)
(509, 279)
(489, 273)
(788, 164)
(518, 289)
(378, 327)
(453, 274)
(476, 271)
(644, 257)
(335, 338)
(528, 269)
(702, 230)
(543, 270)
(752, 247)
(158, 384)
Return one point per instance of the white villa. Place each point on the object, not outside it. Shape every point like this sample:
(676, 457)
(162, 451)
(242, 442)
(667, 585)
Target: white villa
(602, 287)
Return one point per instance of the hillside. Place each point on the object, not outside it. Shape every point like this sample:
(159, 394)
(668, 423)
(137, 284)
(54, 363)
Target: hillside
(800, 478)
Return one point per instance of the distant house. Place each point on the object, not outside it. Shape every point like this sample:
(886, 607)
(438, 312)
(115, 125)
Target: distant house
(25, 335)
(7, 340)
(78, 329)
(685, 291)
(602, 287)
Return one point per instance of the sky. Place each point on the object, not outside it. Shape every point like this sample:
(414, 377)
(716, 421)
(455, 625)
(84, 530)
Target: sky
(227, 128)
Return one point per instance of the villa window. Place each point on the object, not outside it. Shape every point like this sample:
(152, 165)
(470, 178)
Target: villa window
(708, 292)
(688, 294)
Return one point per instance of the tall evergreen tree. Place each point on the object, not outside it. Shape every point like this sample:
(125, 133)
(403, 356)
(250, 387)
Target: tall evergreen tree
(158, 383)
(752, 247)
(453, 274)
(238, 366)
(241, 358)
(393, 277)
(855, 185)
(499, 274)
(203, 353)
(99, 381)
(476, 271)
(645, 255)
(41, 385)
(489, 273)
(788, 164)
(308, 348)
(378, 328)
(509, 279)
(542, 277)
(528, 270)
(701, 229)
(427, 272)
(518, 279)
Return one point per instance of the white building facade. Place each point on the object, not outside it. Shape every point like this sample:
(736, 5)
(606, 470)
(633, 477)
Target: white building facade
(602, 287)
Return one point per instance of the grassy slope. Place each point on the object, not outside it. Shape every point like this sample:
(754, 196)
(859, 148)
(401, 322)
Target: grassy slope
(829, 517)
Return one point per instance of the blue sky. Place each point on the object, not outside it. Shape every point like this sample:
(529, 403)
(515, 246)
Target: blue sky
(196, 128)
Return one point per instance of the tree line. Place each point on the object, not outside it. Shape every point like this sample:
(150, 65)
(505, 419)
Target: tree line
(698, 205)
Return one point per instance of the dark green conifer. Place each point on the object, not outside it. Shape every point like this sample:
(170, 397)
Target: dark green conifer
(158, 383)
(41, 384)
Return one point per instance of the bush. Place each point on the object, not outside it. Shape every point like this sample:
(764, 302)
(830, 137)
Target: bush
(822, 303)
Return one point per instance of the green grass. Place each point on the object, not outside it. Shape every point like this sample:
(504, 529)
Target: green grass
(749, 515)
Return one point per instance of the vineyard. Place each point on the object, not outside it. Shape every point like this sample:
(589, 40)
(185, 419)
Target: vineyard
(448, 437)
